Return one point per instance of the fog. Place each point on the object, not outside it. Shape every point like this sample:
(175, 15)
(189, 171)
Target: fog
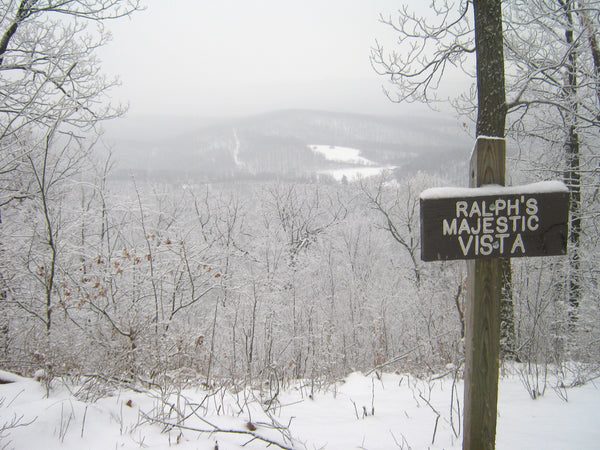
(215, 59)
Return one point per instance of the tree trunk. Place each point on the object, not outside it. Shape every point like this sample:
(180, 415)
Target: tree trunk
(572, 174)
(491, 103)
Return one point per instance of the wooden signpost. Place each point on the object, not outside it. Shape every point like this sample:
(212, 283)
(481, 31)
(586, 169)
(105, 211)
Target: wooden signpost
(494, 222)
(484, 224)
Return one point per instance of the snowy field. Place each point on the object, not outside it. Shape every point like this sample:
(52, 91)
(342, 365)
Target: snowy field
(354, 173)
(361, 412)
(364, 168)
(341, 154)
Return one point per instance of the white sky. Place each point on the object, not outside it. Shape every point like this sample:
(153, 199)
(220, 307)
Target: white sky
(234, 57)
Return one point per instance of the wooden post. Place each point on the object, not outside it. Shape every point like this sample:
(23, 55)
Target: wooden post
(482, 337)
(488, 226)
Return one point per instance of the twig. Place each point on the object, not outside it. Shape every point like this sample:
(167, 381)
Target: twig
(83, 421)
(217, 429)
(372, 397)
(393, 360)
(355, 409)
(398, 444)
(437, 419)
(442, 375)
(452, 397)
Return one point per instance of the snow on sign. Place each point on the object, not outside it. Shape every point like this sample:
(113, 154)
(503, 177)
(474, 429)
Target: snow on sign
(494, 221)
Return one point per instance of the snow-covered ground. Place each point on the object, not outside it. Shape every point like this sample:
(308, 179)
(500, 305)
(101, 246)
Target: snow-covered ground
(341, 154)
(363, 167)
(367, 412)
(355, 173)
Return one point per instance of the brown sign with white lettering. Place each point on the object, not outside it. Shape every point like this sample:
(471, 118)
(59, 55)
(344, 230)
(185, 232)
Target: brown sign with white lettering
(494, 226)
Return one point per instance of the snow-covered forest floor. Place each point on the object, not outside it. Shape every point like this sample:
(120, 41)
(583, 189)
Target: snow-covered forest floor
(378, 411)
(240, 286)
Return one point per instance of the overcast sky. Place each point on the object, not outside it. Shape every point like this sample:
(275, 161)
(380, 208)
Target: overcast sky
(235, 57)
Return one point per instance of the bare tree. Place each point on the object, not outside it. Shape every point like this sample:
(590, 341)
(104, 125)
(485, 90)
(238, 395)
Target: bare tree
(52, 96)
(556, 101)
(50, 77)
(399, 208)
(551, 63)
(429, 47)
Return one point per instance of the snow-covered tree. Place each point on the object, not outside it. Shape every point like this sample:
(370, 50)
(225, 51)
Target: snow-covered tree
(552, 78)
(52, 96)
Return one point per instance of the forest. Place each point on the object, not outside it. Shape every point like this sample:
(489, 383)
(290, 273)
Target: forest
(133, 281)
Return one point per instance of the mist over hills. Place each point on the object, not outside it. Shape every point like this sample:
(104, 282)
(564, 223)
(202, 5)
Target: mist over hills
(278, 145)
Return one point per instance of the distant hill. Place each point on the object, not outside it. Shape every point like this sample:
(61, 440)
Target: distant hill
(277, 144)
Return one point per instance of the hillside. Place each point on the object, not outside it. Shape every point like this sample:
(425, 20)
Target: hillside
(278, 144)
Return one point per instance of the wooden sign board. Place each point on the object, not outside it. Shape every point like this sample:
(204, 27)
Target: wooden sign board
(494, 221)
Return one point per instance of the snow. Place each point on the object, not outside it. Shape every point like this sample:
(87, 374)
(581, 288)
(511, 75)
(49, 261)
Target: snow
(363, 167)
(7, 377)
(542, 187)
(341, 154)
(483, 136)
(354, 173)
(390, 411)
(236, 150)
